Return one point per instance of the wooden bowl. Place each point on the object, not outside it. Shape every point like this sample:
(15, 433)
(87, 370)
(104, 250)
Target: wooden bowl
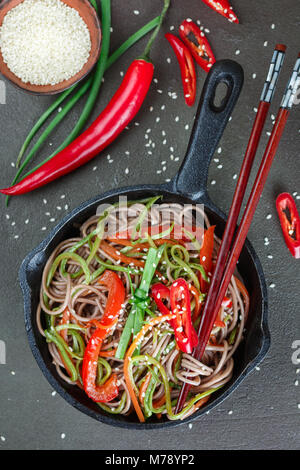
(89, 15)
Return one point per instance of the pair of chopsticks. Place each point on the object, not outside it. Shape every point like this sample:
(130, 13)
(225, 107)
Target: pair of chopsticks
(231, 247)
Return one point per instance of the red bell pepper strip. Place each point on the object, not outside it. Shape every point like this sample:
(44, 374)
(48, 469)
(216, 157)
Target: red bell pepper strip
(187, 68)
(120, 111)
(290, 222)
(223, 7)
(116, 297)
(185, 334)
(206, 253)
(201, 52)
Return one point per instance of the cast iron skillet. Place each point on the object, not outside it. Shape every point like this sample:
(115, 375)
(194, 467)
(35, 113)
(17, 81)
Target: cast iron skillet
(189, 186)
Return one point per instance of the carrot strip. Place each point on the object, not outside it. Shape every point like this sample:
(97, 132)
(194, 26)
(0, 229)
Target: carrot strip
(141, 246)
(132, 348)
(116, 255)
(144, 387)
(65, 319)
(110, 353)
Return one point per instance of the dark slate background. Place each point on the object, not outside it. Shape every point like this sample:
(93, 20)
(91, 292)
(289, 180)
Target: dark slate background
(264, 412)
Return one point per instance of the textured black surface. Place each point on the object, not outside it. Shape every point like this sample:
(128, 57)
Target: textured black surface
(264, 411)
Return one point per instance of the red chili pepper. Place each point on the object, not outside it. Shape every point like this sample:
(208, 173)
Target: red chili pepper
(179, 297)
(290, 222)
(187, 68)
(160, 292)
(185, 334)
(116, 297)
(201, 52)
(182, 324)
(122, 108)
(223, 7)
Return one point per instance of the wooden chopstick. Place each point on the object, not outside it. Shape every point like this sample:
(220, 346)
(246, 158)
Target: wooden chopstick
(260, 180)
(214, 298)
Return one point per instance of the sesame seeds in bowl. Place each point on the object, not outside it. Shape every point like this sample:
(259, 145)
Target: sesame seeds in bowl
(47, 46)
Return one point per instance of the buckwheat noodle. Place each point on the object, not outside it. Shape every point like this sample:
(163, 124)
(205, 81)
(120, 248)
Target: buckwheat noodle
(64, 286)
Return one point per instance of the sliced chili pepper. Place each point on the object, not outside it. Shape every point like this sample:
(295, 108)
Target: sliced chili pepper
(159, 293)
(223, 7)
(290, 222)
(187, 68)
(201, 51)
(185, 334)
(116, 297)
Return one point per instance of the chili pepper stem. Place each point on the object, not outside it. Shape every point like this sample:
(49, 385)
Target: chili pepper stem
(146, 52)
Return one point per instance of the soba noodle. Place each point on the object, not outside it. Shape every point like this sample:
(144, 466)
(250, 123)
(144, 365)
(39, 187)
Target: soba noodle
(66, 285)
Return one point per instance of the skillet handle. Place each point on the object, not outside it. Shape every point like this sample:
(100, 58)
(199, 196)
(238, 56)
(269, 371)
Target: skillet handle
(210, 122)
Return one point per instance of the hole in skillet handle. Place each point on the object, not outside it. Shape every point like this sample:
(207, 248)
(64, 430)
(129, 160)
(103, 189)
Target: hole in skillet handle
(211, 119)
(221, 95)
